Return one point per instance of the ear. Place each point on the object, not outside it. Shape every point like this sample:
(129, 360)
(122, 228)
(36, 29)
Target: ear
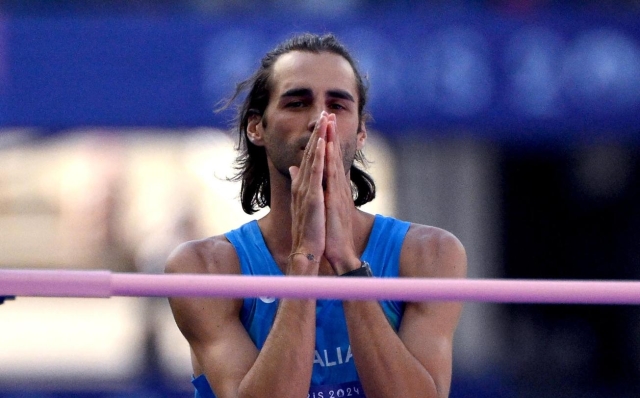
(361, 137)
(255, 130)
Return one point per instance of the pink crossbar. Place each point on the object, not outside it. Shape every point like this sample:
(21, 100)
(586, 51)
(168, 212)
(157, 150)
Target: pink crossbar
(65, 283)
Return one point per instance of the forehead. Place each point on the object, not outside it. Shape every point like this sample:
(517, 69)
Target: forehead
(319, 72)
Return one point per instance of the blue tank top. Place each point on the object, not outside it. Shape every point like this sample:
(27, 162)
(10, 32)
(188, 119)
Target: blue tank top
(334, 371)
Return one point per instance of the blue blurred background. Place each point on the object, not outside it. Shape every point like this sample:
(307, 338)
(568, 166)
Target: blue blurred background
(513, 124)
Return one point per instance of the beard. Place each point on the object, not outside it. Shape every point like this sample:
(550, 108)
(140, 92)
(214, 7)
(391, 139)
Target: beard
(284, 156)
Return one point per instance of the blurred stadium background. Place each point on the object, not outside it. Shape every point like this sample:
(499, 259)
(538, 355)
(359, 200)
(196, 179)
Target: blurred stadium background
(513, 124)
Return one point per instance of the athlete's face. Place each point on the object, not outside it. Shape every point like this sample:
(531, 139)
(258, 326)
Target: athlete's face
(303, 84)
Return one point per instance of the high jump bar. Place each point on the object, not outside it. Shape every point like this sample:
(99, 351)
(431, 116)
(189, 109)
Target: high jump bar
(104, 284)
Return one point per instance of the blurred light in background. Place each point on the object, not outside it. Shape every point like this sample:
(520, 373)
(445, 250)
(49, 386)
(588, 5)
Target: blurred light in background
(602, 72)
(81, 339)
(457, 73)
(532, 56)
(540, 74)
(119, 200)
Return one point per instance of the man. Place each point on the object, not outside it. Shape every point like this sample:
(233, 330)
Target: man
(301, 128)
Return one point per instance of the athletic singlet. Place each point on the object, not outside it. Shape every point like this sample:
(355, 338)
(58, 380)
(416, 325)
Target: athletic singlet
(334, 372)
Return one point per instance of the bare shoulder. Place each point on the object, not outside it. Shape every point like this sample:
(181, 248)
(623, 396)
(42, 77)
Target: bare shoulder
(213, 255)
(432, 252)
(196, 317)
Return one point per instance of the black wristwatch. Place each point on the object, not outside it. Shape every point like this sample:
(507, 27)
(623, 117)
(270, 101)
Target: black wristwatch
(364, 270)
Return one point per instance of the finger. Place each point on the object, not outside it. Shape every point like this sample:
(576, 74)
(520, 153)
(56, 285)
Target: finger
(317, 167)
(331, 120)
(330, 166)
(332, 136)
(293, 172)
(331, 127)
(337, 180)
(326, 118)
(338, 157)
(310, 149)
(318, 131)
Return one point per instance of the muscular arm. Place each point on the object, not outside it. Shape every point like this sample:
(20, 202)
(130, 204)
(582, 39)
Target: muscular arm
(223, 349)
(416, 362)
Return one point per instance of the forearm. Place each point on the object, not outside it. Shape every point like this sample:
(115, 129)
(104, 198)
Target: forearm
(285, 362)
(385, 366)
(283, 367)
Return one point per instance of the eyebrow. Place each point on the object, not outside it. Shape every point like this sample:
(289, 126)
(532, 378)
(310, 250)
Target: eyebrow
(342, 94)
(307, 92)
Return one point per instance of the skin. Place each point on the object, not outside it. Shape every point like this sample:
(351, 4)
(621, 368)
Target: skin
(310, 131)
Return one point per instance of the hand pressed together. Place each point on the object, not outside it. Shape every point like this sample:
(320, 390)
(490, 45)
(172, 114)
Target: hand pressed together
(321, 218)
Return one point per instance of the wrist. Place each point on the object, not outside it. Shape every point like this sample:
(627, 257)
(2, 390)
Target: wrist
(364, 270)
(300, 263)
(309, 256)
(342, 268)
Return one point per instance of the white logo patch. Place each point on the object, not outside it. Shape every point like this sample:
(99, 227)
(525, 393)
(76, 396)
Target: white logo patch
(267, 300)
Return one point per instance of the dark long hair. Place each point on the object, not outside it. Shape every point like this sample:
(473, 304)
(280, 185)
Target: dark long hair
(251, 163)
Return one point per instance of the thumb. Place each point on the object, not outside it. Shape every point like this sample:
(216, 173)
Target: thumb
(293, 171)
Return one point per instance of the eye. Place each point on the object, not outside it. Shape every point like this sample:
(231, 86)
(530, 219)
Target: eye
(295, 104)
(337, 106)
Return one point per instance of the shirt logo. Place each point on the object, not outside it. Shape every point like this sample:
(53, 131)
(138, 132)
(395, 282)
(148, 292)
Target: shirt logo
(338, 359)
(267, 300)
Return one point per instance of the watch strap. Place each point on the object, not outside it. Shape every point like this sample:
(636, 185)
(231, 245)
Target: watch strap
(364, 270)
